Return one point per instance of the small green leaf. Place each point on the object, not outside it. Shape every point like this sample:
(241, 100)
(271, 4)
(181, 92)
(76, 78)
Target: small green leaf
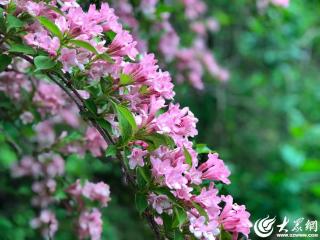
(187, 156)
(111, 35)
(142, 173)
(50, 26)
(141, 202)
(72, 137)
(127, 123)
(5, 60)
(144, 89)
(57, 10)
(7, 156)
(104, 124)
(13, 22)
(126, 79)
(21, 48)
(60, 195)
(203, 148)
(224, 235)
(180, 217)
(111, 151)
(44, 62)
(91, 106)
(156, 139)
(11, 8)
(85, 45)
(106, 57)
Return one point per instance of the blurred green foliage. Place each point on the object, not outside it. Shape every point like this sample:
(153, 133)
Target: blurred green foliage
(265, 122)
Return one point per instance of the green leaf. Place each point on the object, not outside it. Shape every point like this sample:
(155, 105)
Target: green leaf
(57, 10)
(143, 176)
(180, 217)
(178, 235)
(72, 137)
(224, 235)
(126, 79)
(187, 156)
(91, 106)
(7, 156)
(44, 62)
(13, 22)
(156, 139)
(106, 57)
(127, 123)
(141, 202)
(11, 8)
(201, 210)
(85, 45)
(104, 124)
(111, 151)
(203, 148)
(111, 35)
(60, 195)
(21, 48)
(50, 26)
(5, 60)
(144, 90)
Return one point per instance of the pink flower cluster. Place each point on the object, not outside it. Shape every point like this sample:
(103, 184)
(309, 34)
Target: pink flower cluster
(90, 220)
(192, 61)
(146, 95)
(44, 169)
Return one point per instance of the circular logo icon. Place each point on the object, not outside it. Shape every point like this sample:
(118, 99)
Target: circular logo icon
(264, 227)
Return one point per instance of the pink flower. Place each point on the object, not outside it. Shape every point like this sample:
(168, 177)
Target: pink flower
(162, 85)
(68, 58)
(27, 166)
(214, 169)
(209, 199)
(26, 117)
(235, 218)
(136, 157)
(183, 193)
(49, 98)
(281, 3)
(97, 191)
(75, 189)
(177, 122)
(109, 21)
(11, 83)
(123, 45)
(143, 70)
(200, 228)
(43, 40)
(169, 44)
(54, 164)
(95, 142)
(99, 69)
(194, 8)
(47, 222)
(158, 220)
(90, 224)
(160, 203)
(45, 134)
(148, 6)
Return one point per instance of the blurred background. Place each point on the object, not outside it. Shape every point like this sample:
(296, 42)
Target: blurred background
(264, 120)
